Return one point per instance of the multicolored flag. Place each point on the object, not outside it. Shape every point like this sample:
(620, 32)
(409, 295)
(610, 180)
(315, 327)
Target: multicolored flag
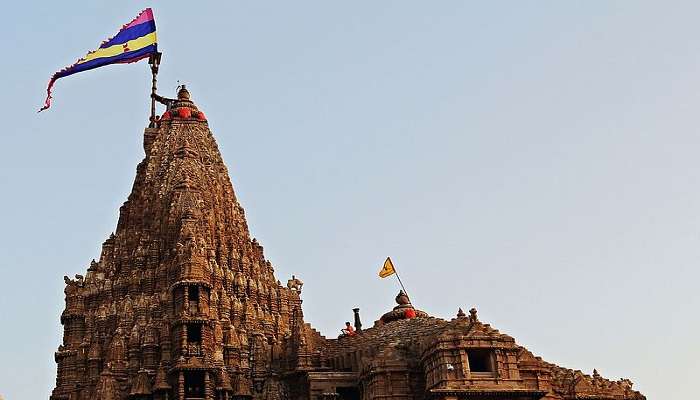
(136, 40)
(387, 269)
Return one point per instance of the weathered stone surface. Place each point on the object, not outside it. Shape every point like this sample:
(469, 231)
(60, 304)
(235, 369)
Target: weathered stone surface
(180, 289)
(182, 304)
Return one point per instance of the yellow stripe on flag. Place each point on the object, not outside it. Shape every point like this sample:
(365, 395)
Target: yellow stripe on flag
(117, 49)
(387, 269)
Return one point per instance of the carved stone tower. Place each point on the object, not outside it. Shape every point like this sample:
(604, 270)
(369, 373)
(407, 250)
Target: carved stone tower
(182, 303)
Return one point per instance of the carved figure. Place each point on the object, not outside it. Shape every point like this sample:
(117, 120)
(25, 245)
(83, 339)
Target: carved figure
(295, 284)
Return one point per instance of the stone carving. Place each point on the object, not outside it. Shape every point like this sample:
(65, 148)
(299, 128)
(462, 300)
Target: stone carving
(141, 313)
(182, 304)
(295, 284)
(403, 310)
(402, 298)
(472, 315)
(108, 388)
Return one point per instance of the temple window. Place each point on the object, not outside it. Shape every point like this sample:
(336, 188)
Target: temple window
(194, 340)
(193, 295)
(480, 360)
(348, 393)
(194, 385)
(194, 333)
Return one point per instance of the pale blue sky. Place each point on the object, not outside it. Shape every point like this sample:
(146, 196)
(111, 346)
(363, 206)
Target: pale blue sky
(535, 159)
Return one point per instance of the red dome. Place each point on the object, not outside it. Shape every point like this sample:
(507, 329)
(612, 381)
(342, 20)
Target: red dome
(184, 112)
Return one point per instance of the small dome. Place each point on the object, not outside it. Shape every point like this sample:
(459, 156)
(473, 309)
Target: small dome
(183, 93)
(404, 310)
(182, 108)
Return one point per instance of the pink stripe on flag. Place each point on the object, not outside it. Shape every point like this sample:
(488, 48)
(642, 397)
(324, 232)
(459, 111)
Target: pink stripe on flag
(146, 15)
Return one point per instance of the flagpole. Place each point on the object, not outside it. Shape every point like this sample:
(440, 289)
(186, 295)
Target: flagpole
(396, 272)
(154, 61)
(401, 283)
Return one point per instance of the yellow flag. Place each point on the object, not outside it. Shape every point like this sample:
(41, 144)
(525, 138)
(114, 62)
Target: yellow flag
(387, 269)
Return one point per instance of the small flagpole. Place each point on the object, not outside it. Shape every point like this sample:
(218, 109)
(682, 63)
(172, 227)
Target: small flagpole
(396, 272)
(401, 283)
(154, 61)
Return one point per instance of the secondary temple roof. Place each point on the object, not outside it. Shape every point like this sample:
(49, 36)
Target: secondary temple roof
(182, 304)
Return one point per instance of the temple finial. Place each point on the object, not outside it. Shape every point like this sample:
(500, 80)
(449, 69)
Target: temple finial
(472, 315)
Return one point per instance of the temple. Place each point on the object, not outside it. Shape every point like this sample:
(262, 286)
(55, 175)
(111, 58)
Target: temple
(182, 304)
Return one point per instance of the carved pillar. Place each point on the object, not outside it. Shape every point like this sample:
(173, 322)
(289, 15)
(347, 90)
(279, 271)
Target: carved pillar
(208, 395)
(183, 340)
(185, 300)
(133, 359)
(204, 300)
(181, 386)
(468, 369)
(463, 363)
(150, 353)
(498, 364)
(166, 348)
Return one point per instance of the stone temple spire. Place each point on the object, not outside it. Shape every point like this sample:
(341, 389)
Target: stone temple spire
(183, 305)
(179, 287)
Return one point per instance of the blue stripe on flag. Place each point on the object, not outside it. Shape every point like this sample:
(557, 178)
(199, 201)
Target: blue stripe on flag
(132, 33)
(128, 57)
